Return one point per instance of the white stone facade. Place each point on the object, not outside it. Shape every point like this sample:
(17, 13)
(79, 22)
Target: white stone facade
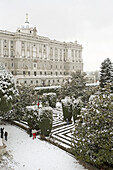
(37, 60)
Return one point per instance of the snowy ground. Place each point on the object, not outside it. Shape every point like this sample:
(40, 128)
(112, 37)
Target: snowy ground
(28, 154)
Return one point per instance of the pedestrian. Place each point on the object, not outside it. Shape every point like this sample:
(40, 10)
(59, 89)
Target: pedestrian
(34, 133)
(2, 132)
(38, 104)
(30, 132)
(6, 134)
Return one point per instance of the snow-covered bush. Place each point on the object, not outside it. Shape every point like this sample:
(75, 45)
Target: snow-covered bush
(32, 118)
(93, 136)
(45, 120)
(7, 92)
(67, 108)
(76, 108)
(51, 98)
(75, 86)
(27, 97)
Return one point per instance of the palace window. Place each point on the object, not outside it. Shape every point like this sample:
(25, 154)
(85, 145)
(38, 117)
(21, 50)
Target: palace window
(44, 49)
(40, 48)
(23, 44)
(5, 43)
(34, 73)
(11, 44)
(51, 53)
(60, 54)
(56, 54)
(12, 53)
(29, 73)
(35, 65)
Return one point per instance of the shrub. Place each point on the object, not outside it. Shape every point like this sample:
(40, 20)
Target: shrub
(67, 108)
(76, 108)
(45, 121)
(93, 136)
(51, 98)
(33, 119)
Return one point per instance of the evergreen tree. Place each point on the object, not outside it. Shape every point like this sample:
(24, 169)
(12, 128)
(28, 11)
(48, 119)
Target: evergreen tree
(106, 73)
(75, 86)
(27, 97)
(7, 92)
(93, 136)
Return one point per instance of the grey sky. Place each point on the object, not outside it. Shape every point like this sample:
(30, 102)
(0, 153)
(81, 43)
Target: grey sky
(90, 22)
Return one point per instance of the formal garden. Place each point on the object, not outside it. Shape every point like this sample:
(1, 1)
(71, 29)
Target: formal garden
(88, 110)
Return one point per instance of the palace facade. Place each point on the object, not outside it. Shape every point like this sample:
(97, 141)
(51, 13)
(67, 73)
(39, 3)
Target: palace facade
(37, 60)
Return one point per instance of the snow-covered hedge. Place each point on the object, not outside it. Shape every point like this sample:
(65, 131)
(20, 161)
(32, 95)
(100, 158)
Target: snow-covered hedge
(45, 120)
(47, 89)
(93, 136)
(67, 108)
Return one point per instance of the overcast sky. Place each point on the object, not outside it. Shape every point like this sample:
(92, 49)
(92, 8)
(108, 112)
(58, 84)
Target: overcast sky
(90, 22)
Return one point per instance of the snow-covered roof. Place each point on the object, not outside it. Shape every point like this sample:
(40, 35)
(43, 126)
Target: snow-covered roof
(49, 94)
(47, 87)
(92, 84)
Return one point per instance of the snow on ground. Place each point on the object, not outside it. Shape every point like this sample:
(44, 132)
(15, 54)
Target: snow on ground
(28, 154)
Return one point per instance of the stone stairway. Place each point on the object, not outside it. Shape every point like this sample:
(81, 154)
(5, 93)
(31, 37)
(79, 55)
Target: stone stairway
(61, 131)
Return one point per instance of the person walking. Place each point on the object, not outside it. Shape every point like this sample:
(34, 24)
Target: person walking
(2, 132)
(38, 104)
(30, 132)
(6, 134)
(34, 133)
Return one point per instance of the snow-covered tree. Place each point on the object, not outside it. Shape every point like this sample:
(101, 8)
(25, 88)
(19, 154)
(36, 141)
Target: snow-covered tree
(7, 92)
(75, 86)
(67, 108)
(76, 108)
(51, 98)
(46, 120)
(27, 97)
(32, 118)
(93, 136)
(106, 73)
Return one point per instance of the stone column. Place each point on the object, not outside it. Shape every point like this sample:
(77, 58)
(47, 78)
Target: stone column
(1, 48)
(26, 49)
(9, 50)
(18, 48)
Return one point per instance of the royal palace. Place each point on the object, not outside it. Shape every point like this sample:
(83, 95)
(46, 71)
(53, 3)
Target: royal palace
(37, 60)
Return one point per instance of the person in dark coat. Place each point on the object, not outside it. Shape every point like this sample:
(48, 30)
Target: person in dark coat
(2, 132)
(6, 134)
(30, 132)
